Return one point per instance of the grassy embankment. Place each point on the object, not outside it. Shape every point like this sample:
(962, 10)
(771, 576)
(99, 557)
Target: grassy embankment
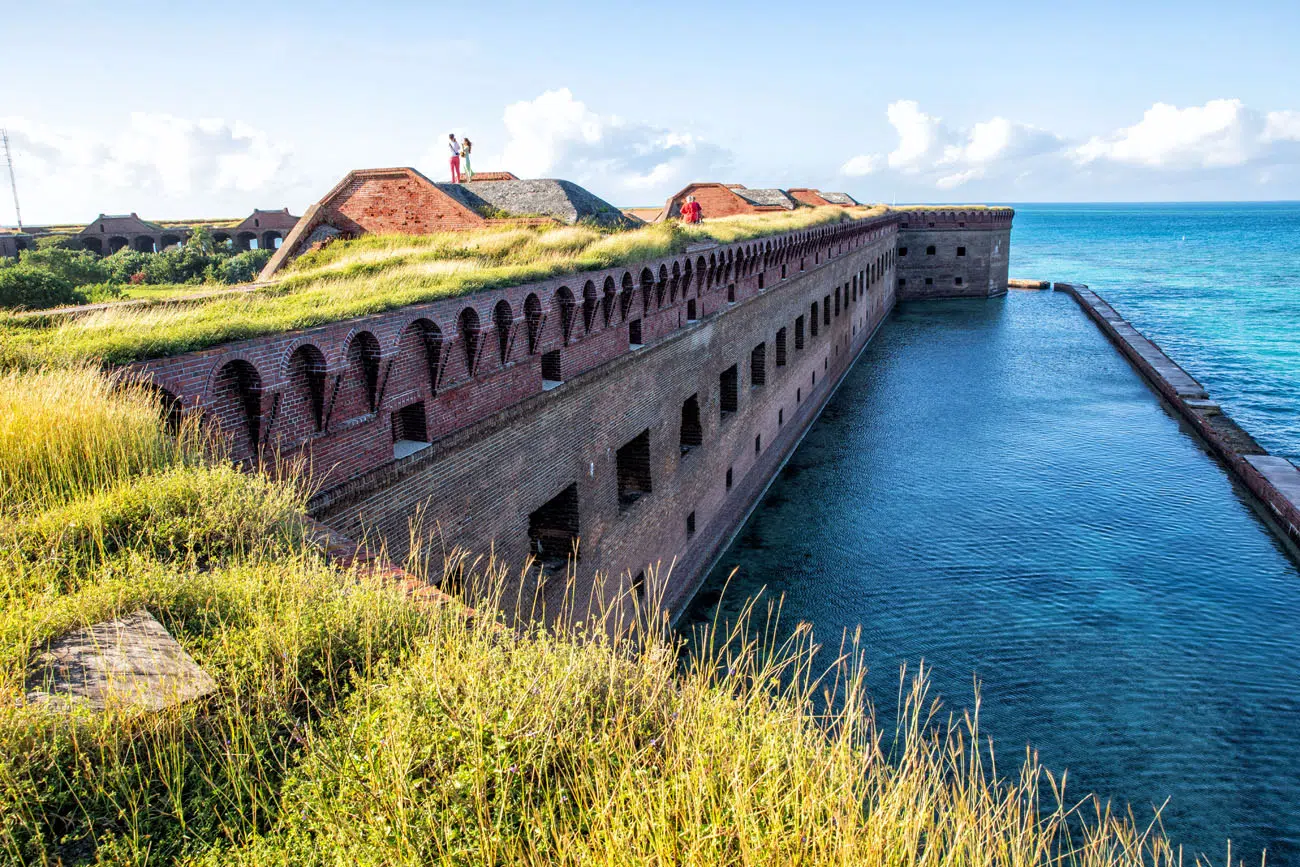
(353, 725)
(369, 275)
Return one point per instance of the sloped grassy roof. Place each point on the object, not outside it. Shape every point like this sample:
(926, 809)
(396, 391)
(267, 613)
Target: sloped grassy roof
(369, 275)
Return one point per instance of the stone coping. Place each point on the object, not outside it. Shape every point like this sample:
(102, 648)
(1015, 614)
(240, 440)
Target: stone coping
(1273, 480)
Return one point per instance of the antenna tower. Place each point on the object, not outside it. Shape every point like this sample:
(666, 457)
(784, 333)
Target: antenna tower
(13, 181)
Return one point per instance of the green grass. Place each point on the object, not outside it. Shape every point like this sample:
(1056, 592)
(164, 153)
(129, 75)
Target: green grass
(370, 275)
(354, 725)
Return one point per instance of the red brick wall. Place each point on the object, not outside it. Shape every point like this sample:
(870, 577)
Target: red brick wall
(807, 197)
(715, 201)
(502, 446)
(396, 201)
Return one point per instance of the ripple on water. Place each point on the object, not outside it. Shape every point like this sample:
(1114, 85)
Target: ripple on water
(996, 492)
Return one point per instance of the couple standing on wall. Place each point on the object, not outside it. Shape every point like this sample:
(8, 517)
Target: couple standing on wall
(460, 156)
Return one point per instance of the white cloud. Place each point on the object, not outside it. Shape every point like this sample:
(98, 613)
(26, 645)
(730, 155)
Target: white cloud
(1223, 132)
(556, 135)
(158, 165)
(861, 165)
(930, 148)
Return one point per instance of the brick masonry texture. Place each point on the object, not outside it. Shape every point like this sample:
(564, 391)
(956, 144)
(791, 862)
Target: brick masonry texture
(504, 442)
(970, 254)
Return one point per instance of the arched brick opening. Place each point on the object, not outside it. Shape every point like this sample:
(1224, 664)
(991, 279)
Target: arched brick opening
(222, 238)
(467, 324)
(625, 297)
(169, 241)
(590, 303)
(647, 288)
(93, 245)
(171, 409)
(116, 243)
(533, 317)
(142, 244)
(363, 361)
(504, 319)
(419, 355)
(564, 306)
(237, 407)
(271, 240)
(674, 282)
(661, 287)
(245, 240)
(303, 407)
(701, 270)
(608, 297)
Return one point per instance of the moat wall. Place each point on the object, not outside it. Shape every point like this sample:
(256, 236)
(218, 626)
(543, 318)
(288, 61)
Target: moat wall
(496, 420)
(945, 253)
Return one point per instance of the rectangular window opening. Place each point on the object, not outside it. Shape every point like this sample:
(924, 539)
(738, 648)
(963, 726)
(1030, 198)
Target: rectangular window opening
(692, 433)
(690, 525)
(798, 333)
(634, 334)
(902, 251)
(633, 469)
(551, 372)
(780, 347)
(760, 282)
(691, 311)
(728, 478)
(410, 430)
(814, 319)
(731, 290)
(780, 417)
(758, 366)
(929, 251)
(553, 530)
(758, 443)
(961, 251)
(728, 385)
(958, 281)
(826, 310)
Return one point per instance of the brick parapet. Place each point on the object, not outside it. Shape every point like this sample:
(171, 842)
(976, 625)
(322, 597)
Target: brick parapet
(255, 393)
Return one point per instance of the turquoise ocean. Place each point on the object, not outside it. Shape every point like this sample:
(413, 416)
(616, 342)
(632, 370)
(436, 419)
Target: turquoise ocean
(994, 491)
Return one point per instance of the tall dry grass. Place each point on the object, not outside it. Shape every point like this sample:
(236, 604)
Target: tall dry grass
(354, 724)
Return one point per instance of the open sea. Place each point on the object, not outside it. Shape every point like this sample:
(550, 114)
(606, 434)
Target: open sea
(995, 491)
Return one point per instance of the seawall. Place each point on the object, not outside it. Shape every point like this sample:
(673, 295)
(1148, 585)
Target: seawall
(1273, 480)
(636, 412)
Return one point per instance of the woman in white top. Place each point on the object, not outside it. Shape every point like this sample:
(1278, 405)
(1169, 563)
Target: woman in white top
(465, 147)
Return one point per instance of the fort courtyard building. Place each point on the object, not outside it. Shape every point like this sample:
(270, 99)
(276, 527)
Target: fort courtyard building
(108, 233)
(630, 416)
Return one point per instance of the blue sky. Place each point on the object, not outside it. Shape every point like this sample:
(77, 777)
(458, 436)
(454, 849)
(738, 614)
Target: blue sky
(176, 110)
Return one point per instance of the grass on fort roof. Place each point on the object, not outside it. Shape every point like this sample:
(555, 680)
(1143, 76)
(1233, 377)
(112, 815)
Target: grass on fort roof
(353, 724)
(372, 274)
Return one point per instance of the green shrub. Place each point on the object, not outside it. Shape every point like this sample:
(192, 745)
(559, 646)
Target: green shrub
(30, 288)
(242, 267)
(60, 242)
(125, 263)
(78, 267)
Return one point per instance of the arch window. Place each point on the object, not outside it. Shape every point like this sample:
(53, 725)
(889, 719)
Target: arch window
(469, 328)
(533, 319)
(504, 318)
(237, 407)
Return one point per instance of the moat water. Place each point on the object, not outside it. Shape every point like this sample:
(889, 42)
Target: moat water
(996, 492)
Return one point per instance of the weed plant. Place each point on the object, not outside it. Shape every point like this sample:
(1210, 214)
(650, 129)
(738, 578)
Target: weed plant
(356, 724)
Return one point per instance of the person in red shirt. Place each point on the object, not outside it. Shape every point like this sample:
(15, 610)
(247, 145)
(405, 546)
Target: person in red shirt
(691, 210)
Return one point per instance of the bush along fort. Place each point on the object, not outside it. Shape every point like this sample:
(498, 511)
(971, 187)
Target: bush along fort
(620, 422)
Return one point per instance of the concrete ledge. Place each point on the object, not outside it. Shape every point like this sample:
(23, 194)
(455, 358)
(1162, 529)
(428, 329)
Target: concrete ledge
(1273, 480)
(1029, 284)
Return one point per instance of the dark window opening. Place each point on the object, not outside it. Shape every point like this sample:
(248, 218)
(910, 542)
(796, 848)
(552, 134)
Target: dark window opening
(961, 251)
(782, 270)
(633, 469)
(958, 281)
(758, 366)
(826, 310)
(760, 282)
(553, 530)
(929, 281)
(813, 321)
(728, 478)
(798, 333)
(798, 395)
(758, 443)
(780, 417)
(780, 347)
(731, 291)
(690, 525)
(902, 251)
(727, 383)
(837, 301)
(634, 334)
(552, 374)
(690, 310)
(410, 430)
(692, 433)
(929, 251)
(638, 586)
(902, 281)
